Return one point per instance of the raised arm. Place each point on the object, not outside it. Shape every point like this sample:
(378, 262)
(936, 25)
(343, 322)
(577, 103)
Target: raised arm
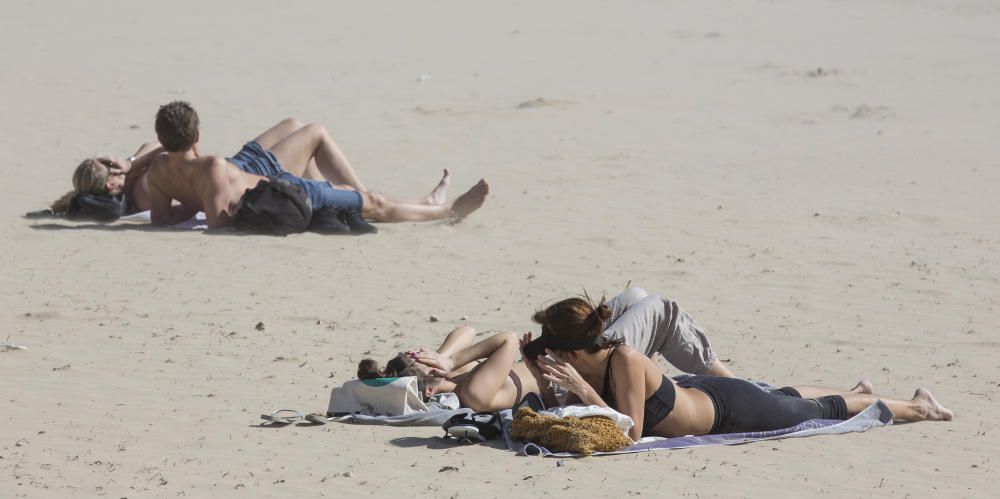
(628, 387)
(143, 158)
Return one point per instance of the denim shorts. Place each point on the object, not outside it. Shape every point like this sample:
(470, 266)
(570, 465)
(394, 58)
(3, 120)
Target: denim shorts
(254, 159)
(322, 194)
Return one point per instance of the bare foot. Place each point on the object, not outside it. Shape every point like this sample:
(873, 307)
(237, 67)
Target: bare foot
(440, 193)
(935, 411)
(864, 386)
(470, 201)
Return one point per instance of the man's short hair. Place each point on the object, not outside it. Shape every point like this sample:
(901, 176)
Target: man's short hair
(177, 126)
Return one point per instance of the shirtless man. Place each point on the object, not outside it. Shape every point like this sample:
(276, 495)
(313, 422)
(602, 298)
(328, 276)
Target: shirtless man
(215, 185)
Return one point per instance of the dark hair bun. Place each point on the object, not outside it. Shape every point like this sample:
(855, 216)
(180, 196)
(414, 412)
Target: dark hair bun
(368, 369)
(603, 312)
(539, 317)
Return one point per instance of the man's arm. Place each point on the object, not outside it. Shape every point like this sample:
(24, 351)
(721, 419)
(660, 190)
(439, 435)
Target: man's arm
(143, 158)
(163, 211)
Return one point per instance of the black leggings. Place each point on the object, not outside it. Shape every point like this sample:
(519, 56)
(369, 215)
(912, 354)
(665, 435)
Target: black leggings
(741, 406)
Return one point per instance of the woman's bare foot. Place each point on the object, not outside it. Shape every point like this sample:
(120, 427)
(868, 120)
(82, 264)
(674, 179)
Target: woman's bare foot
(440, 193)
(864, 386)
(934, 410)
(470, 201)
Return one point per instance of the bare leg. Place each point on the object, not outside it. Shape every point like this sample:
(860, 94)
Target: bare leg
(480, 388)
(312, 142)
(279, 131)
(379, 209)
(811, 392)
(461, 337)
(440, 192)
(922, 407)
(719, 369)
(312, 173)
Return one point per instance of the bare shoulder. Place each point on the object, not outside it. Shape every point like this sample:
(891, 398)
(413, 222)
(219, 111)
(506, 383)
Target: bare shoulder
(216, 164)
(627, 356)
(157, 167)
(627, 352)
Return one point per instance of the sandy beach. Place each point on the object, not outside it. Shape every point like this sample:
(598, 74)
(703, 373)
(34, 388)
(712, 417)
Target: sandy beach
(811, 180)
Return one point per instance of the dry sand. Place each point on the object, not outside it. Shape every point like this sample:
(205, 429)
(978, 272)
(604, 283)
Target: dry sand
(812, 180)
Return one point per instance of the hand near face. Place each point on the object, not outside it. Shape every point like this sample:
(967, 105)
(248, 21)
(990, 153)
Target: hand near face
(438, 365)
(116, 166)
(534, 366)
(556, 370)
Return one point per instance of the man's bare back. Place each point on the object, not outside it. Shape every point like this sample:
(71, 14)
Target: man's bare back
(209, 184)
(214, 185)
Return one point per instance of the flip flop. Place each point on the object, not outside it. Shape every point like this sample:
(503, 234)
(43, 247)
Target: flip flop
(317, 418)
(277, 418)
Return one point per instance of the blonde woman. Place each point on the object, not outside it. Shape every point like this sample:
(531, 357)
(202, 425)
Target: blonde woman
(109, 175)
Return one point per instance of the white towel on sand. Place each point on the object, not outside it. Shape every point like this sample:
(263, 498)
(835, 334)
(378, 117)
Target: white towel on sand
(197, 222)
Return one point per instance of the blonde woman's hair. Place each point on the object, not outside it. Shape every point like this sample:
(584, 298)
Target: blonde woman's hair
(90, 177)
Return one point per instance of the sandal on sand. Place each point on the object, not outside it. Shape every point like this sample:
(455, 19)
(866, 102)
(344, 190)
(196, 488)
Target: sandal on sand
(473, 428)
(317, 418)
(277, 418)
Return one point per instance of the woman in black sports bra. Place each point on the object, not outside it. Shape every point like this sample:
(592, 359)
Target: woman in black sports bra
(603, 372)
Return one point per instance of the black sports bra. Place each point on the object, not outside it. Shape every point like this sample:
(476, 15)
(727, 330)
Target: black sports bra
(656, 407)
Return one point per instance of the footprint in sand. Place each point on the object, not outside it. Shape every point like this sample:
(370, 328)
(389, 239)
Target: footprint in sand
(820, 72)
(866, 112)
(438, 111)
(815, 73)
(542, 102)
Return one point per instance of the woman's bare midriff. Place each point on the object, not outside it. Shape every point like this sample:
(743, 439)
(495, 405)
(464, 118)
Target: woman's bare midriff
(693, 414)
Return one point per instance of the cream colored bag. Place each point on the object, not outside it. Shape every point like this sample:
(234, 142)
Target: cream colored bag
(379, 396)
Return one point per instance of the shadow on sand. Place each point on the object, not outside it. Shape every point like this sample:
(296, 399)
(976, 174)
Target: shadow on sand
(441, 443)
(136, 227)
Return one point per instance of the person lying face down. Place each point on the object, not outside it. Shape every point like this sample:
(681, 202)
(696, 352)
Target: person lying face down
(215, 185)
(486, 375)
(604, 371)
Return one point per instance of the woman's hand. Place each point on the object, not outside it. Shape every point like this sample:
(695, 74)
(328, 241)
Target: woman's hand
(116, 166)
(565, 375)
(439, 365)
(534, 365)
